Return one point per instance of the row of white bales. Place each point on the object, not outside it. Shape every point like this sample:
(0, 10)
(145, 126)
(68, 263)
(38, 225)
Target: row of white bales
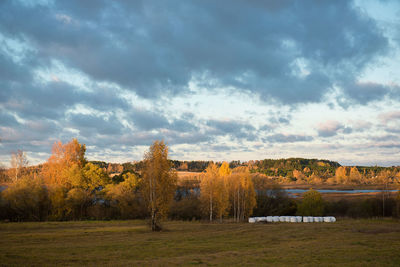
(293, 219)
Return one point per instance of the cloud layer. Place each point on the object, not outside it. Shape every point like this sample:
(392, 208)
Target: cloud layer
(120, 74)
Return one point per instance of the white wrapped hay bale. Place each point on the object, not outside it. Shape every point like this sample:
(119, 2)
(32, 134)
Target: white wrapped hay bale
(269, 219)
(252, 220)
(316, 219)
(321, 219)
(287, 218)
(299, 218)
(261, 219)
(310, 219)
(275, 219)
(282, 218)
(293, 219)
(333, 219)
(327, 219)
(305, 219)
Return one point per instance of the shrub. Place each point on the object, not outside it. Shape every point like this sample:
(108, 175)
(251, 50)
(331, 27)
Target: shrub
(312, 204)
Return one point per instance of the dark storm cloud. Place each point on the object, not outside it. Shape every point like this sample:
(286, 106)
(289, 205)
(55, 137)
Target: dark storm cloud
(366, 92)
(155, 48)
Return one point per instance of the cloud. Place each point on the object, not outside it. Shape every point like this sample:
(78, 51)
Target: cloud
(363, 93)
(232, 128)
(288, 138)
(109, 72)
(330, 128)
(153, 49)
(389, 116)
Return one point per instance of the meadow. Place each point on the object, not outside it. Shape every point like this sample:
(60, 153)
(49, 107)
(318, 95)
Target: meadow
(348, 242)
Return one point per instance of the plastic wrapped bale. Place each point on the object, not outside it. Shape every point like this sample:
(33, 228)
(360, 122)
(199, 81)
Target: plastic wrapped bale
(287, 218)
(275, 219)
(252, 220)
(333, 219)
(316, 219)
(327, 219)
(293, 219)
(299, 218)
(263, 219)
(282, 218)
(258, 219)
(269, 219)
(310, 219)
(305, 219)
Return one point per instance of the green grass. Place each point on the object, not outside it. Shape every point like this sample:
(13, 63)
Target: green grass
(115, 243)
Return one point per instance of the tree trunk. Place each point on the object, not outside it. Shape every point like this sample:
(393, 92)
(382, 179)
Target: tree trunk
(211, 207)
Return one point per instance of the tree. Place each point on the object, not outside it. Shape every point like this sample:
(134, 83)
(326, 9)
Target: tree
(158, 183)
(242, 193)
(341, 175)
(312, 204)
(123, 197)
(385, 178)
(213, 192)
(224, 170)
(27, 199)
(355, 176)
(18, 162)
(65, 160)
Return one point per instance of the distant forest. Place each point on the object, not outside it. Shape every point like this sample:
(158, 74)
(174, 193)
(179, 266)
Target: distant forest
(284, 171)
(290, 170)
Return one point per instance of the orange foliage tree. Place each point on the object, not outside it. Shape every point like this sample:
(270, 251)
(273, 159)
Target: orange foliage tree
(64, 160)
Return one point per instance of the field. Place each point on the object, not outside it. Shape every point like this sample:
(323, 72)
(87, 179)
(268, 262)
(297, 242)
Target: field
(344, 243)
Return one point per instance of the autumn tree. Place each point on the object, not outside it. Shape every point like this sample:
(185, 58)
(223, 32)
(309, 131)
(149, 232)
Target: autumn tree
(355, 176)
(341, 175)
(385, 178)
(242, 193)
(213, 192)
(65, 160)
(224, 170)
(312, 204)
(18, 162)
(158, 182)
(298, 174)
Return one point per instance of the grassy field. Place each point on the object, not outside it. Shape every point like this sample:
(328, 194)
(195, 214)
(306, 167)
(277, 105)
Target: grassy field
(344, 243)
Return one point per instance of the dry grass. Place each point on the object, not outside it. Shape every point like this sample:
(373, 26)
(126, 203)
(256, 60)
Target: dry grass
(344, 243)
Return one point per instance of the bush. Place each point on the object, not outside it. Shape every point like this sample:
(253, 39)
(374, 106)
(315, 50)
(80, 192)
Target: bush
(272, 200)
(312, 204)
(26, 200)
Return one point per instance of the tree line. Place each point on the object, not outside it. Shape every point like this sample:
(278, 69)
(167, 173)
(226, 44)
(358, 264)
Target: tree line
(68, 187)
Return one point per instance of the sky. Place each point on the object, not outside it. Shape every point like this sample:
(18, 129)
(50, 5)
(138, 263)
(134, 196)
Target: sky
(217, 80)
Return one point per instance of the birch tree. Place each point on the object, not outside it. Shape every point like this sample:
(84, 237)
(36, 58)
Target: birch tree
(18, 162)
(159, 183)
(214, 193)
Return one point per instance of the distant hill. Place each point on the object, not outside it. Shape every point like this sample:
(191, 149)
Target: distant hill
(285, 167)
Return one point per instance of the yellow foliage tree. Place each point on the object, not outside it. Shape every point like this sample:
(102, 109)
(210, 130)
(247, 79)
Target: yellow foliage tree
(355, 176)
(242, 194)
(159, 182)
(214, 193)
(122, 196)
(224, 170)
(341, 175)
